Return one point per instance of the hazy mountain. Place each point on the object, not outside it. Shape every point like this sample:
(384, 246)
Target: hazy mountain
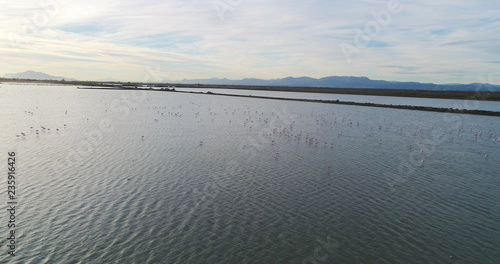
(326, 82)
(36, 76)
(109, 79)
(343, 82)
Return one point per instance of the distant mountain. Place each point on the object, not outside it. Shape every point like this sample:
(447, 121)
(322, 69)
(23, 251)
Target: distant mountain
(343, 82)
(109, 79)
(36, 76)
(325, 82)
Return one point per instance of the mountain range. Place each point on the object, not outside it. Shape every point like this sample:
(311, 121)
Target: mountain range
(33, 75)
(326, 82)
(343, 82)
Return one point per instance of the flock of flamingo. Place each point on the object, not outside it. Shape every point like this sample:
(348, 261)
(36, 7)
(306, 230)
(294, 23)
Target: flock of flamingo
(325, 130)
(36, 130)
(320, 129)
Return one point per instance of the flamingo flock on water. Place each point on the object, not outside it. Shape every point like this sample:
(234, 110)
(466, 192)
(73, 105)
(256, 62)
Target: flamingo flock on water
(326, 130)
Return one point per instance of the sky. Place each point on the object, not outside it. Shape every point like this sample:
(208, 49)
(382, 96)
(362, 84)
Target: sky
(398, 40)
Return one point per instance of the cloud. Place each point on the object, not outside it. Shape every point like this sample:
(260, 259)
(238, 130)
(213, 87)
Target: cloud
(405, 70)
(459, 43)
(264, 39)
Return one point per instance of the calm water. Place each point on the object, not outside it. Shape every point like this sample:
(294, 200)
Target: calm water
(158, 177)
(390, 100)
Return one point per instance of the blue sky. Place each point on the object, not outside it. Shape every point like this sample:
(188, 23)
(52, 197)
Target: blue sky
(401, 40)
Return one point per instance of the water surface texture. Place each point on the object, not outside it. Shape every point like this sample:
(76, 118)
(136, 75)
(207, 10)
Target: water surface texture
(163, 177)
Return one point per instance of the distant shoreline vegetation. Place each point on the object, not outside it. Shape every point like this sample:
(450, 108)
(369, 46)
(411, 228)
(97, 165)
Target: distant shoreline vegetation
(481, 93)
(458, 95)
(408, 107)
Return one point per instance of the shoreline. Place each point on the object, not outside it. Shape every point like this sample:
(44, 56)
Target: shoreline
(407, 107)
(481, 92)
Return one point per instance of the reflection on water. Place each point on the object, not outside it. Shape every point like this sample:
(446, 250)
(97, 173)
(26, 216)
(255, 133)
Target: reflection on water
(156, 177)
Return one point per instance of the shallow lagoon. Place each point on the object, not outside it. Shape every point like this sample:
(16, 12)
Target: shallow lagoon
(158, 177)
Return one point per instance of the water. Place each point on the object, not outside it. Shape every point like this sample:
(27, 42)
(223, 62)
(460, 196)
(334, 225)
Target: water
(388, 100)
(159, 177)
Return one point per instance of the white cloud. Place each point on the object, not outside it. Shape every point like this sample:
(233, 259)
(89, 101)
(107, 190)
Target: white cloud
(264, 39)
